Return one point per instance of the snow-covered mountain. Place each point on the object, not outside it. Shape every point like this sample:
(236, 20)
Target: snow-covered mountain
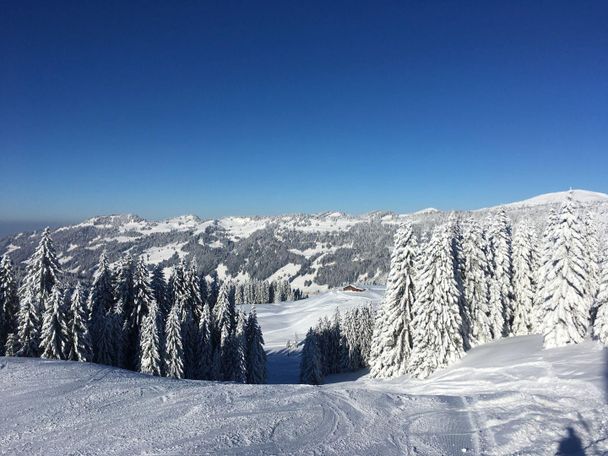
(315, 252)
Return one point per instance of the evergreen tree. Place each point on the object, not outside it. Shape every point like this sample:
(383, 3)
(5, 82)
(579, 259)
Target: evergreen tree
(229, 353)
(159, 288)
(240, 372)
(476, 283)
(54, 340)
(205, 346)
(79, 337)
(310, 365)
(567, 299)
(174, 351)
(149, 342)
(256, 356)
(392, 341)
(102, 320)
(42, 274)
(9, 302)
(600, 326)
(525, 266)
(437, 322)
(548, 242)
(501, 291)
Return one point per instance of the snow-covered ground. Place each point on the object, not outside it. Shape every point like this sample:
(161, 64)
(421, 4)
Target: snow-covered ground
(508, 397)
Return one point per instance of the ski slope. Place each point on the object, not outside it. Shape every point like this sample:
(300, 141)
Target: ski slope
(504, 398)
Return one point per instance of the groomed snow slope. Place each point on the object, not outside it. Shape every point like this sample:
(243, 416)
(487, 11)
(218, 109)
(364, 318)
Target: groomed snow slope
(505, 398)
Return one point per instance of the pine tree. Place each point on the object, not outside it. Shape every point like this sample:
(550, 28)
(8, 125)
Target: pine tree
(567, 299)
(101, 307)
(79, 337)
(476, 273)
(224, 311)
(149, 342)
(392, 341)
(54, 340)
(205, 346)
(310, 365)
(256, 356)
(9, 302)
(525, 266)
(240, 371)
(437, 322)
(42, 274)
(548, 241)
(174, 351)
(501, 290)
(600, 326)
(159, 288)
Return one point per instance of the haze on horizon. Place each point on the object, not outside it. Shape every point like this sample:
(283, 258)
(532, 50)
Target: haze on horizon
(219, 109)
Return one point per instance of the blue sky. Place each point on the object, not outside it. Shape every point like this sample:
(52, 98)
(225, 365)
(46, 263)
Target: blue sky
(217, 108)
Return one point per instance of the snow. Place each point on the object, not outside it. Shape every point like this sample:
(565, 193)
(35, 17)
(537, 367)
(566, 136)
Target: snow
(155, 255)
(11, 248)
(504, 398)
(583, 196)
(285, 272)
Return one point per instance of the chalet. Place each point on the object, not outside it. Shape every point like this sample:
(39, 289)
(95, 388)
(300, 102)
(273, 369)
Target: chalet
(353, 288)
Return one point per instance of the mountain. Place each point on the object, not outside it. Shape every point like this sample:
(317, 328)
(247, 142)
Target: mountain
(314, 251)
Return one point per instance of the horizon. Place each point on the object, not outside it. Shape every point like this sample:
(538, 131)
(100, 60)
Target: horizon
(297, 108)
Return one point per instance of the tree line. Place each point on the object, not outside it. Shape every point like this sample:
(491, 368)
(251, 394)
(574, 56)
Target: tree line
(472, 283)
(338, 345)
(130, 317)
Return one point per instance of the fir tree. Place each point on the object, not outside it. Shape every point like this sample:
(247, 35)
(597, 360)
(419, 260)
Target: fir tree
(101, 307)
(476, 283)
(79, 337)
(240, 371)
(174, 351)
(149, 342)
(159, 288)
(54, 340)
(392, 341)
(600, 326)
(29, 326)
(437, 323)
(9, 302)
(205, 346)
(310, 365)
(567, 299)
(548, 242)
(256, 356)
(501, 290)
(525, 266)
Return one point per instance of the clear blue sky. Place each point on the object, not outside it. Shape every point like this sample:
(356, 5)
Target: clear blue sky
(216, 108)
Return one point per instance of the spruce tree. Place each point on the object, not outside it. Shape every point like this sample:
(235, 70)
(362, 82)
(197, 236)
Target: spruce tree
(205, 345)
(54, 339)
(310, 365)
(79, 337)
(9, 302)
(240, 371)
(174, 351)
(600, 325)
(501, 290)
(567, 294)
(476, 277)
(437, 337)
(149, 342)
(42, 274)
(102, 320)
(159, 288)
(256, 356)
(547, 244)
(392, 340)
(525, 266)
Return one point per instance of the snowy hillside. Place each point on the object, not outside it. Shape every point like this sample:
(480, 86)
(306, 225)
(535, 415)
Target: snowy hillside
(316, 252)
(505, 398)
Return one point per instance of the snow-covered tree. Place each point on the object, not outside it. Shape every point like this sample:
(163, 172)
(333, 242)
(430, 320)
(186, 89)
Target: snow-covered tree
(256, 356)
(79, 337)
(525, 267)
(310, 366)
(29, 325)
(600, 326)
(229, 352)
(205, 345)
(159, 288)
(9, 302)
(149, 342)
(547, 244)
(567, 298)
(54, 338)
(476, 272)
(392, 340)
(174, 350)
(437, 322)
(501, 288)
(240, 371)
(102, 319)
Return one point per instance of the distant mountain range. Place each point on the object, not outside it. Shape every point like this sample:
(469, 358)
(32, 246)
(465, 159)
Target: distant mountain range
(314, 252)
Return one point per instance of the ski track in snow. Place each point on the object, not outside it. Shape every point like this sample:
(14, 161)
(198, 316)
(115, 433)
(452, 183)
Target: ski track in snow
(505, 398)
